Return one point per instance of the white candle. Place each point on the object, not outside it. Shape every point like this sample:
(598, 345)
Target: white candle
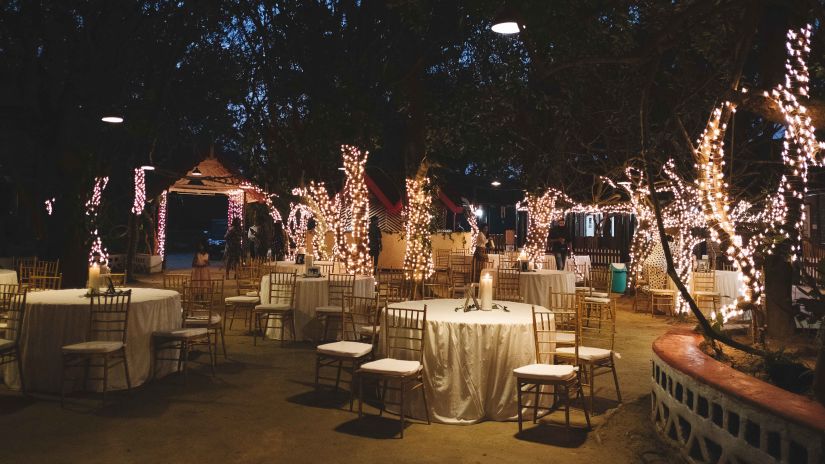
(486, 292)
(94, 277)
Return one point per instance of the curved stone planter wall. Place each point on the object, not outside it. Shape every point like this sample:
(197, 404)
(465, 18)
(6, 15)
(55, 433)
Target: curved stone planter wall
(717, 414)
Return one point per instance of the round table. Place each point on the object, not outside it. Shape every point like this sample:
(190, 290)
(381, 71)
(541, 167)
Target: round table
(536, 285)
(580, 263)
(55, 318)
(311, 292)
(290, 266)
(469, 359)
(729, 285)
(495, 258)
(8, 276)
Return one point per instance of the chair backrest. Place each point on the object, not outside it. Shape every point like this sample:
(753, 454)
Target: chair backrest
(704, 281)
(561, 301)
(435, 287)
(597, 329)
(249, 284)
(207, 293)
(39, 283)
(457, 257)
(247, 271)
(553, 330)
(392, 285)
(359, 312)
(118, 279)
(442, 258)
(175, 281)
(26, 269)
(508, 284)
(326, 268)
(13, 307)
(405, 332)
(600, 277)
(282, 287)
(546, 263)
(339, 287)
(460, 274)
(48, 268)
(109, 316)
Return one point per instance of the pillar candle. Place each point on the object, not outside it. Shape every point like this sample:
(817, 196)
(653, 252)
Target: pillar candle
(486, 292)
(94, 277)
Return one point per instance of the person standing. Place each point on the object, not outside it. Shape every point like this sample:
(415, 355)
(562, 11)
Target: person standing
(233, 247)
(559, 243)
(483, 246)
(200, 267)
(375, 241)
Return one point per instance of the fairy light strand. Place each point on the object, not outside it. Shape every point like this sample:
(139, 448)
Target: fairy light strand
(140, 192)
(92, 210)
(358, 258)
(418, 252)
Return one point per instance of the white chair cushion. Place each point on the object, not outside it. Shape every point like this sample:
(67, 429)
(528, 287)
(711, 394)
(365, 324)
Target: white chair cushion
(545, 372)
(272, 307)
(662, 291)
(586, 353)
(93, 347)
(583, 289)
(599, 295)
(5, 344)
(345, 349)
(242, 299)
(252, 294)
(389, 366)
(183, 333)
(202, 320)
(328, 309)
(593, 299)
(706, 293)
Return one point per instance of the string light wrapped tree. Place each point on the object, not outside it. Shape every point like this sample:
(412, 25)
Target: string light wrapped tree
(470, 212)
(541, 210)
(357, 258)
(296, 227)
(418, 252)
(92, 211)
(644, 235)
(326, 214)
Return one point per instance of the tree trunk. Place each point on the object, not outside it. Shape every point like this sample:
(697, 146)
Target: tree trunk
(131, 244)
(778, 282)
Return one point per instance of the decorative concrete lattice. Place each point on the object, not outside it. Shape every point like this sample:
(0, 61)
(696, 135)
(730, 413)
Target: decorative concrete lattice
(712, 427)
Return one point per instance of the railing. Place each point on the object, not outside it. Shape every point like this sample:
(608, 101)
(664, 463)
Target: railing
(600, 256)
(716, 414)
(812, 254)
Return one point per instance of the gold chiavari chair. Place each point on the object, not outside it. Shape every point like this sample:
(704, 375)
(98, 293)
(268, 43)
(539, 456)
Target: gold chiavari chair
(352, 350)
(508, 285)
(39, 283)
(392, 286)
(247, 296)
(106, 345)
(326, 268)
(658, 299)
(460, 279)
(404, 334)
(279, 307)
(339, 287)
(549, 329)
(48, 268)
(12, 312)
(596, 356)
(27, 268)
(208, 302)
(181, 340)
(175, 282)
(442, 259)
(434, 287)
(704, 292)
(563, 302)
(597, 282)
(118, 279)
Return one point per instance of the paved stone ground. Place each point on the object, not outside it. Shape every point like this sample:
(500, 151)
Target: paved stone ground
(261, 407)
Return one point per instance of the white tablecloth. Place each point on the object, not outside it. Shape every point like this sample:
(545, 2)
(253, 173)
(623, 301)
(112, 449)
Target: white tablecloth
(8, 276)
(290, 266)
(309, 294)
(536, 285)
(496, 259)
(728, 284)
(469, 360)
(580, 261)
(56, 318)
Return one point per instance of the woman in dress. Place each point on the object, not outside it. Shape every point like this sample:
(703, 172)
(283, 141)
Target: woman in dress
(483, 246)
(234, 242)
(200, 266)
